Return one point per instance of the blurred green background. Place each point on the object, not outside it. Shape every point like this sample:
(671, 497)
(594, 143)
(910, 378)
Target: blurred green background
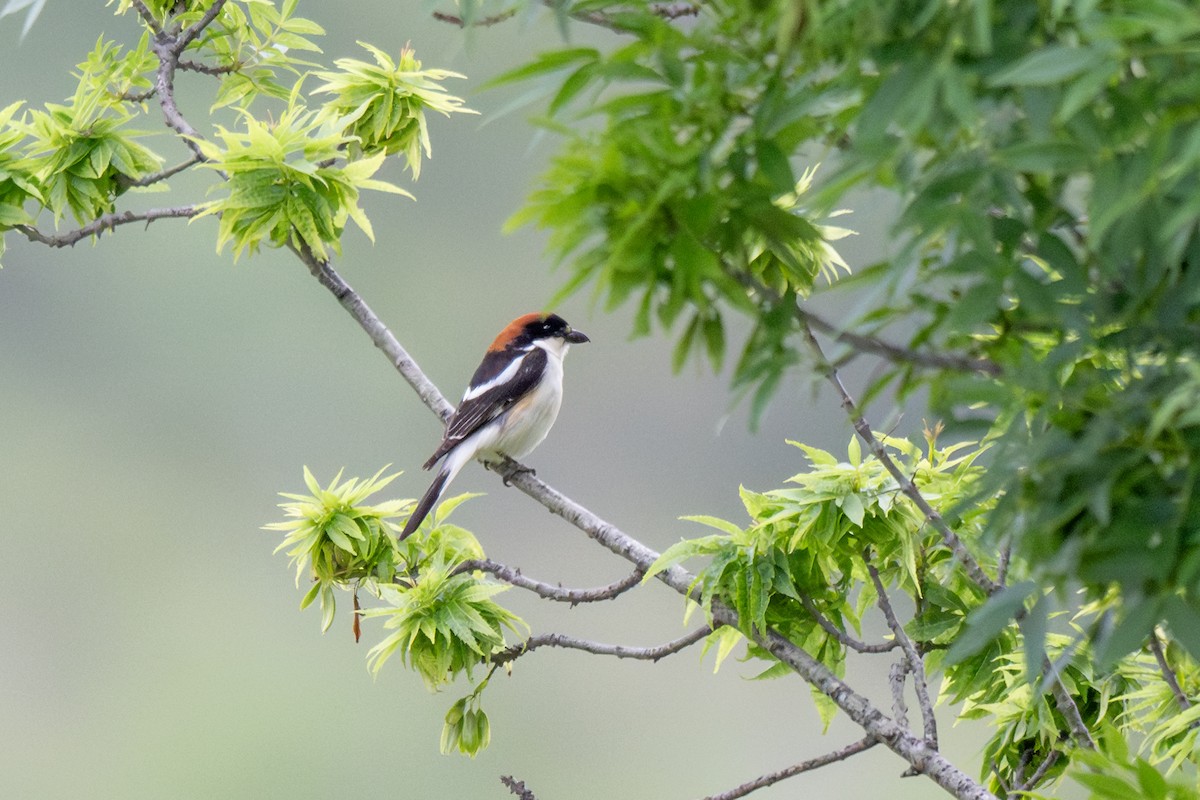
(156, 397)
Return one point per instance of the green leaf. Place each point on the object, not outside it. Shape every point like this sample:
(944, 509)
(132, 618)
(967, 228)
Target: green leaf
(1048, 66)
(714, 522)
(985, 622)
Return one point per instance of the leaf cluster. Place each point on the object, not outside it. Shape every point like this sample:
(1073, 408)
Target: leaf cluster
(286, 186)
(289, 178)
(806, 552)
(442, 621)
(382, 105)
(76, 157)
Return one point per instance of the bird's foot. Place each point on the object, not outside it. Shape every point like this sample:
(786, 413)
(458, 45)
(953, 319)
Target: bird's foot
(510, 469)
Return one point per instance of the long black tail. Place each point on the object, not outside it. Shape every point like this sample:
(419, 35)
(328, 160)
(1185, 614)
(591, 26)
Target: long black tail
(428, 501)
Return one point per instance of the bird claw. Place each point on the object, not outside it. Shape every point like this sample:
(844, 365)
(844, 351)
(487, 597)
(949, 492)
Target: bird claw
(512, 469)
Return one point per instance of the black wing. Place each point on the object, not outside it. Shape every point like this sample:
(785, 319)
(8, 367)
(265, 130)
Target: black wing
(474, 413)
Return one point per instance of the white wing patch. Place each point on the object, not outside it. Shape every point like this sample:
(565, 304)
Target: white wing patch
(504, 377)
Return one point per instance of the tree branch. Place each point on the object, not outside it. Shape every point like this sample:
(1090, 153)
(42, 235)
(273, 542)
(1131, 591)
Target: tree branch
(1049, 761)
(207, 69)
(841, 635)
(863, 429)
(164, 87)
(106, 222)
(1168, 674)
(912, 749)
(854, 748)
(147, 17)
(189, 35)
(573, 596)
(895, 353)
(127, 182)
(896, 681)
(597, 648)
(517, 787)
(482, 22)
(667, 11)
(916, 664)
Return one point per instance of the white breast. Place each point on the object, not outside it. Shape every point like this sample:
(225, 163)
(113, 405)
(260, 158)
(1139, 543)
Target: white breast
(527, 423)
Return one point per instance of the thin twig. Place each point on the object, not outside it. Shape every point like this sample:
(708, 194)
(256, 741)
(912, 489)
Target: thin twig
(854, 748)
(1049, 761)
(207, 69)
(482, 22)
(517, 787)
(189, 35)
(841, 635)
(1066, 705)
(514, 577)
(1169, 674)
(126, 182)
(894, 352)
(600, 649)
(147, 17)
(665, 11)
(915, 663)
(164, 86)
(106, 222)
(1003, 564)
(864, 343)
(863, 429)
(137, 97)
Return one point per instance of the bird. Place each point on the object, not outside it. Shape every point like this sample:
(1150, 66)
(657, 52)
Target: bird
(509, 406)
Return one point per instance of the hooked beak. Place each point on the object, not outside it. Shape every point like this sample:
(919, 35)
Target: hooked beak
(576, 337)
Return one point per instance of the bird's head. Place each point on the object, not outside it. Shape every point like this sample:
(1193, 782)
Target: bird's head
(530, 328)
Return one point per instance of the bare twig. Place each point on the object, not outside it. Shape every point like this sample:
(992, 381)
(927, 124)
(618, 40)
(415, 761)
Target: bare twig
(189, 35)
(854, 748)
(667, 11)
(896, 681)
(482, 22)
(162, 175)
(1003, 564)
(671, 11)
(106, 222)
(1066, 705)
(916, 664)
(207, 69)
(517, 787)
(1070, 710)
(863, 343)
(164, 86)
(597, 648)
(841, 635)
(1169, 674)
(1049, 761)
(137, 97)
(863, 429)
(895, 353)
(147, 17)
(514, 577)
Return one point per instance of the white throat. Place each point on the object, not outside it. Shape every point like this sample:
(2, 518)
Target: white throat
(554, 346)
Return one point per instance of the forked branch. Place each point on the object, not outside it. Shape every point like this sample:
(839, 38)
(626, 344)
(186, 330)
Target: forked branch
(514, 577)
(600, 649)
